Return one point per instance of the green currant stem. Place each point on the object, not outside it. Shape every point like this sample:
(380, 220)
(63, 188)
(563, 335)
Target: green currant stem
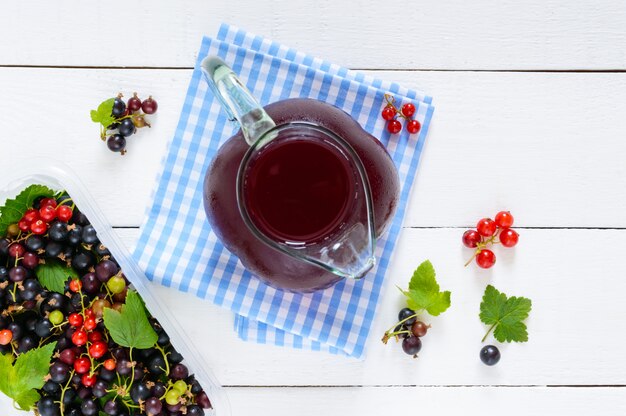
(63, 390)
(403, 321)
(132, 376)
(164, 354)
(488, 332)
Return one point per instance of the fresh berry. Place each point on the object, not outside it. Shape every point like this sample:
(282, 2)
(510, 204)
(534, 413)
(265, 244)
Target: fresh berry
(408, 109)
(30, 260)
(31, 215)
(389, 112)
(419, 328)
(75, 285)
(64, 213)
(48, 202)
(56, 317)
(75, 320)
(82, 365)
(68, 356)
(16, 250)
(6, 336)
(149, 106)
(394, 126)
(119, 108)
(39, 227)
(490, 355)
(504, 219)
(411, 345)
(98, 349)
(134, 103)
(413, 126)
(88, 380)
(408, 314)
(126, 128)
(508, 237)
(485, 259)
(116, 284)
(110, 364)
(94, 336)
(79, 338)
(23, 225)
(172, 397)
(117, 143)
(90, 324)
(140, 122)
(47, 213)
(486, 227)
(471, 238)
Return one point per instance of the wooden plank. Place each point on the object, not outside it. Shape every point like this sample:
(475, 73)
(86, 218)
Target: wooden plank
(427, 400)
(545, 146)
(575, 279)
(557, 34)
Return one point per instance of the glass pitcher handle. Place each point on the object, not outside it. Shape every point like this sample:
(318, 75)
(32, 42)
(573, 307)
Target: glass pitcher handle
(236, 99)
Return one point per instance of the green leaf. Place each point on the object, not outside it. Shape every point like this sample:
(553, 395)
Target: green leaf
(20, 379)
(130, 327)
(53, 274)
(27, 400)
(14, 209)
(103, 114)
(505, 315)
(424, 292)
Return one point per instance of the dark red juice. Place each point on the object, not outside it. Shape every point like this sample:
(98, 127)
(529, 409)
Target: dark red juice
(298, 189)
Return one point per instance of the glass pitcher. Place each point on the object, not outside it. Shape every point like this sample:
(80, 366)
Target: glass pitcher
(301, 189)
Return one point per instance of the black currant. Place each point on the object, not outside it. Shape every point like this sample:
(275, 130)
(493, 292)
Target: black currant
(58, 231)
(490, 355)
(139, 391)
(89, 234)
(119, 107)
(411, 345)
(127, 127)
(48, 407)
(116, 143)
(407, 313)
(34, 243)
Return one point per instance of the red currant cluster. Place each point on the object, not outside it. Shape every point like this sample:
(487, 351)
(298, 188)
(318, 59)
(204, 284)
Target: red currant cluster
(38, 221)
(391, 112)
(490, 232)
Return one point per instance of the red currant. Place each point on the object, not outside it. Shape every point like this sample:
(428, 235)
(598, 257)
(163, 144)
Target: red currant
(90, 324)
(504, 219)
(389, 112)
(110, 364)
(75, 285)
(413, 126)
(89, 313)
(408, 109)
(508, 237)
(88, 380)
(98, 349)
(24, 225)
(47, 213)
(471, 238)
(75, 320)
(394, 126)
(486, 227)
(16, 250)
(485, 259)
(5, 336)
(95, 336)
(149, 106)
(48, 201)
(79, 338)
(39, 227)
(64, 213)
(31, 215)
(82, 365)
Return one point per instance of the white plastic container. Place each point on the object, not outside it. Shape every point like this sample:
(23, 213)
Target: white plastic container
(59, 177)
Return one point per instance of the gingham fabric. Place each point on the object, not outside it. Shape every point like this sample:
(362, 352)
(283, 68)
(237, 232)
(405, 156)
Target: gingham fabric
(177, 247)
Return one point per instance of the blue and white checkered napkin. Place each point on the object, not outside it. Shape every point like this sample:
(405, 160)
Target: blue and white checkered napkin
(177, 246)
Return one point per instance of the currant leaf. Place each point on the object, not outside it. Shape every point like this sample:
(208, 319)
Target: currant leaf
(103, 114)
(505, 315)
(424, 291)
(53, 274)
(130, 327)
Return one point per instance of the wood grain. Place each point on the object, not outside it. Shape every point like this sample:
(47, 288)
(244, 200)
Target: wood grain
(548, 147)
(577, 293)
(456, 34)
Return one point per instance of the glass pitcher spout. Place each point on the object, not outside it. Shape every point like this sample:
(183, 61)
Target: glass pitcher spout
(346, 247)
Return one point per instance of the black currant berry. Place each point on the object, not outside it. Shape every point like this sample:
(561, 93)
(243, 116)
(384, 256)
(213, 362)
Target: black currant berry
(490, 355)
(411, 345)
(119, 107)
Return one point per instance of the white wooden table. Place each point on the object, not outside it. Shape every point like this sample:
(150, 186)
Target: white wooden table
(531, 117)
